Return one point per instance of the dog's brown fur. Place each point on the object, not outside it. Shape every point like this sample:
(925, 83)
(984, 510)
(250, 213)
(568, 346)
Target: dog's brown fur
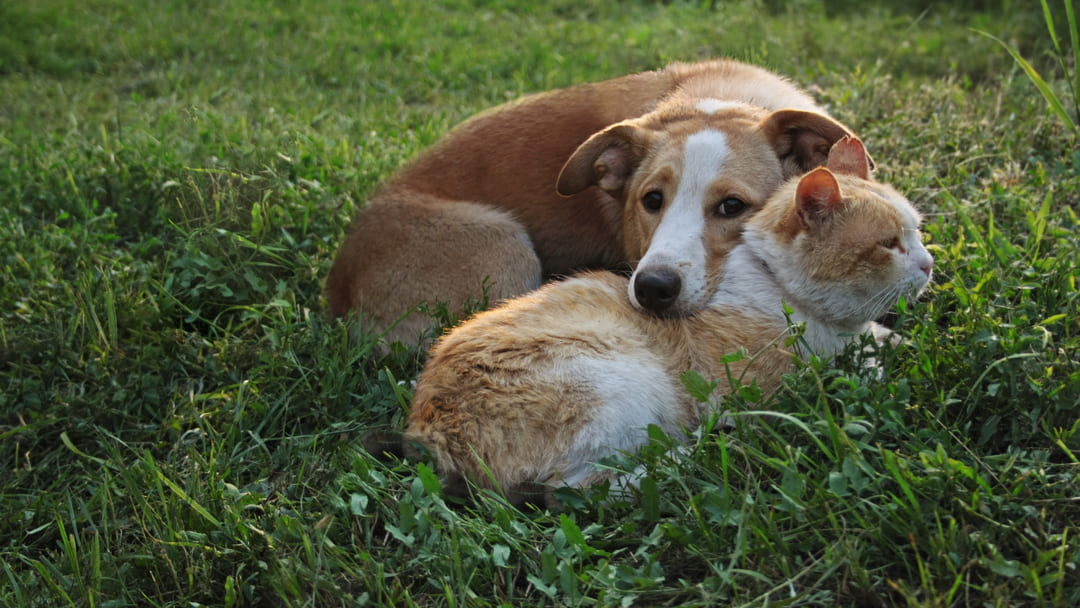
(481, 206)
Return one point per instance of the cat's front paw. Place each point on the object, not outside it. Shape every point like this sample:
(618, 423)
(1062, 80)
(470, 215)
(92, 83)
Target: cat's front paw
(883, 335)
(872, 368)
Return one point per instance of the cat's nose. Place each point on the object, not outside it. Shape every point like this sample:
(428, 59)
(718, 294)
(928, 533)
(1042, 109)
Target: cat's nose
(657, 290)
(926, 265)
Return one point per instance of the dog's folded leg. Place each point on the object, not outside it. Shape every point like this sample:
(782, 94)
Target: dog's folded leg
(406, 249)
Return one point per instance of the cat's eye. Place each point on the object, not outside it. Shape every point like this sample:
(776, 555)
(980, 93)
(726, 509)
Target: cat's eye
(730, 207)
(891, 243)
(652, 201)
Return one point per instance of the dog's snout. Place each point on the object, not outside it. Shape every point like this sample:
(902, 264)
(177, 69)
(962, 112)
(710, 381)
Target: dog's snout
(656, 291)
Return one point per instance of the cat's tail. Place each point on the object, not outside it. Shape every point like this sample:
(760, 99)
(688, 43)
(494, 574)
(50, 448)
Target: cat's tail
(390, 446)
(387, 446)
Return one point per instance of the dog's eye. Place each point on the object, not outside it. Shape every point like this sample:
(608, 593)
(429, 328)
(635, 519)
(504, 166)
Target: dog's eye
(730, 207)
(653, 201)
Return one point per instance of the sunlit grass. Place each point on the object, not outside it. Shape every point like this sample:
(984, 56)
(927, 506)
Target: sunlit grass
(181, 425)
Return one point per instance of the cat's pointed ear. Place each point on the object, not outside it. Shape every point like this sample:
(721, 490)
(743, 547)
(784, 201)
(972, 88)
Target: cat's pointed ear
(607, 159)
(818, 193)
(848, 157)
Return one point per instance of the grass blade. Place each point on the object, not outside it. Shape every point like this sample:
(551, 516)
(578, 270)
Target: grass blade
(16, 588)
(201, 510)
(1049, 19)
(1044, 89)
(50, 579)
(1037, 224)
(1074, 37)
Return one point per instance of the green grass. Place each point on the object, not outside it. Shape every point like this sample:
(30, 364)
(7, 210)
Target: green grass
(181, 425)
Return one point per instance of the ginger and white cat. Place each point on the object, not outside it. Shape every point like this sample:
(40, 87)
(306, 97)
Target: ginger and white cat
(541, 388)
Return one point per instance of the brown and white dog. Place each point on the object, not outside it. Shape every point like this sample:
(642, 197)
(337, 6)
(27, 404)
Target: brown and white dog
(653, 171)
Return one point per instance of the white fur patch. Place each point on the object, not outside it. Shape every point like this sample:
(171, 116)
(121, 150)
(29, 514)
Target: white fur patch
(745, 286)
(679, 241)
(633, 391)
(917, 261)
(711, 106)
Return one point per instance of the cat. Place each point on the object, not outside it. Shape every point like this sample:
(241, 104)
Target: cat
(533, 393)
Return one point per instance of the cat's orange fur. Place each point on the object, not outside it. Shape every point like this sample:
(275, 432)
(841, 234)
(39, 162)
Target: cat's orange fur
(539, 389)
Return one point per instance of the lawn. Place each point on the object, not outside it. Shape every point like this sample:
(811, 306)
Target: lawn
(182, 425)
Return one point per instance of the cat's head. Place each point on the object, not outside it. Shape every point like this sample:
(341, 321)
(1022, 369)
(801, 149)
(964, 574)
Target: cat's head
(842, 247)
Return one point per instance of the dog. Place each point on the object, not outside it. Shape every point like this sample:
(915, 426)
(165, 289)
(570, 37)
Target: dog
(649, 172)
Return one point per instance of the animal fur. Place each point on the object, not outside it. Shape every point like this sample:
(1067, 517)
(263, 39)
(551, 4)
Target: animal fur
(550, 184)
(538, 390)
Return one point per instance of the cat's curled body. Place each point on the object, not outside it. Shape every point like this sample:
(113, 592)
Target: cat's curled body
(538, 390)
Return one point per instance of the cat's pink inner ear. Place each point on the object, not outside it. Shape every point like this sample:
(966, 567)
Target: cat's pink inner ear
(848, 157)
(818, 192)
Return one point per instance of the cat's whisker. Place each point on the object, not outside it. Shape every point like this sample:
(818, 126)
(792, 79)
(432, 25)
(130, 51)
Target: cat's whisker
(875, 301)
(884, 299)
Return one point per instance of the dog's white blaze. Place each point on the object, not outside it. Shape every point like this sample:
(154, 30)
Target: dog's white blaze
(679, 240)
(633, 391)
(711, 106)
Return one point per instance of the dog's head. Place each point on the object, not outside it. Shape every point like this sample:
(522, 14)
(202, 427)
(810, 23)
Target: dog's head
(687, 178)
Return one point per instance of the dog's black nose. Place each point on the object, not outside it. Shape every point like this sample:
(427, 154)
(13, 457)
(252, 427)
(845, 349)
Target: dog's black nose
(657, 290)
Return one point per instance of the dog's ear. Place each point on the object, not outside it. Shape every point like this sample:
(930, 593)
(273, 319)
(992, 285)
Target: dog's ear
(848, 157)
(802, 139)
(606, 160)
